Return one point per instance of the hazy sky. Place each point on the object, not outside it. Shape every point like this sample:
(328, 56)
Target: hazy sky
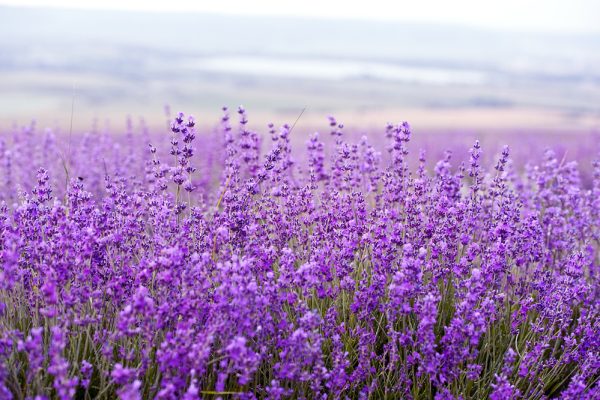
(520, 15)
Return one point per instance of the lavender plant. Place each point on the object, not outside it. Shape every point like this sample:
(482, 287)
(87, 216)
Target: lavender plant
(236, 270)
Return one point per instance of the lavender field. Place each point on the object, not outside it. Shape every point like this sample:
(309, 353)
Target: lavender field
(234, 264)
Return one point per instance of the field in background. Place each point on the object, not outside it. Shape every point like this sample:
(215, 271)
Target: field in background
(120, 63)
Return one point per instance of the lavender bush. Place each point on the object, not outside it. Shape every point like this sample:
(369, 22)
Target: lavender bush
(199, 267)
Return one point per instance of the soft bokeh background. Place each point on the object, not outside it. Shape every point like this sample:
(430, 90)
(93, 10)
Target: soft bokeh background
(474, 65)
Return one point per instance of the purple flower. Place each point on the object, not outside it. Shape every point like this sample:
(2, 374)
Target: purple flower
(216, 264)
(130, 391)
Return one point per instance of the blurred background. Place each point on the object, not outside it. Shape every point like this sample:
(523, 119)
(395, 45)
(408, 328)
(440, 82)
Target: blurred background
(529, 65)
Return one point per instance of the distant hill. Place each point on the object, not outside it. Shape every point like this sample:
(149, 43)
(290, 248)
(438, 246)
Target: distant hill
(126, 60)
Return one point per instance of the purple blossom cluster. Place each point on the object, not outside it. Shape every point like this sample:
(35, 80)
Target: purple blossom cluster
(218, 265)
